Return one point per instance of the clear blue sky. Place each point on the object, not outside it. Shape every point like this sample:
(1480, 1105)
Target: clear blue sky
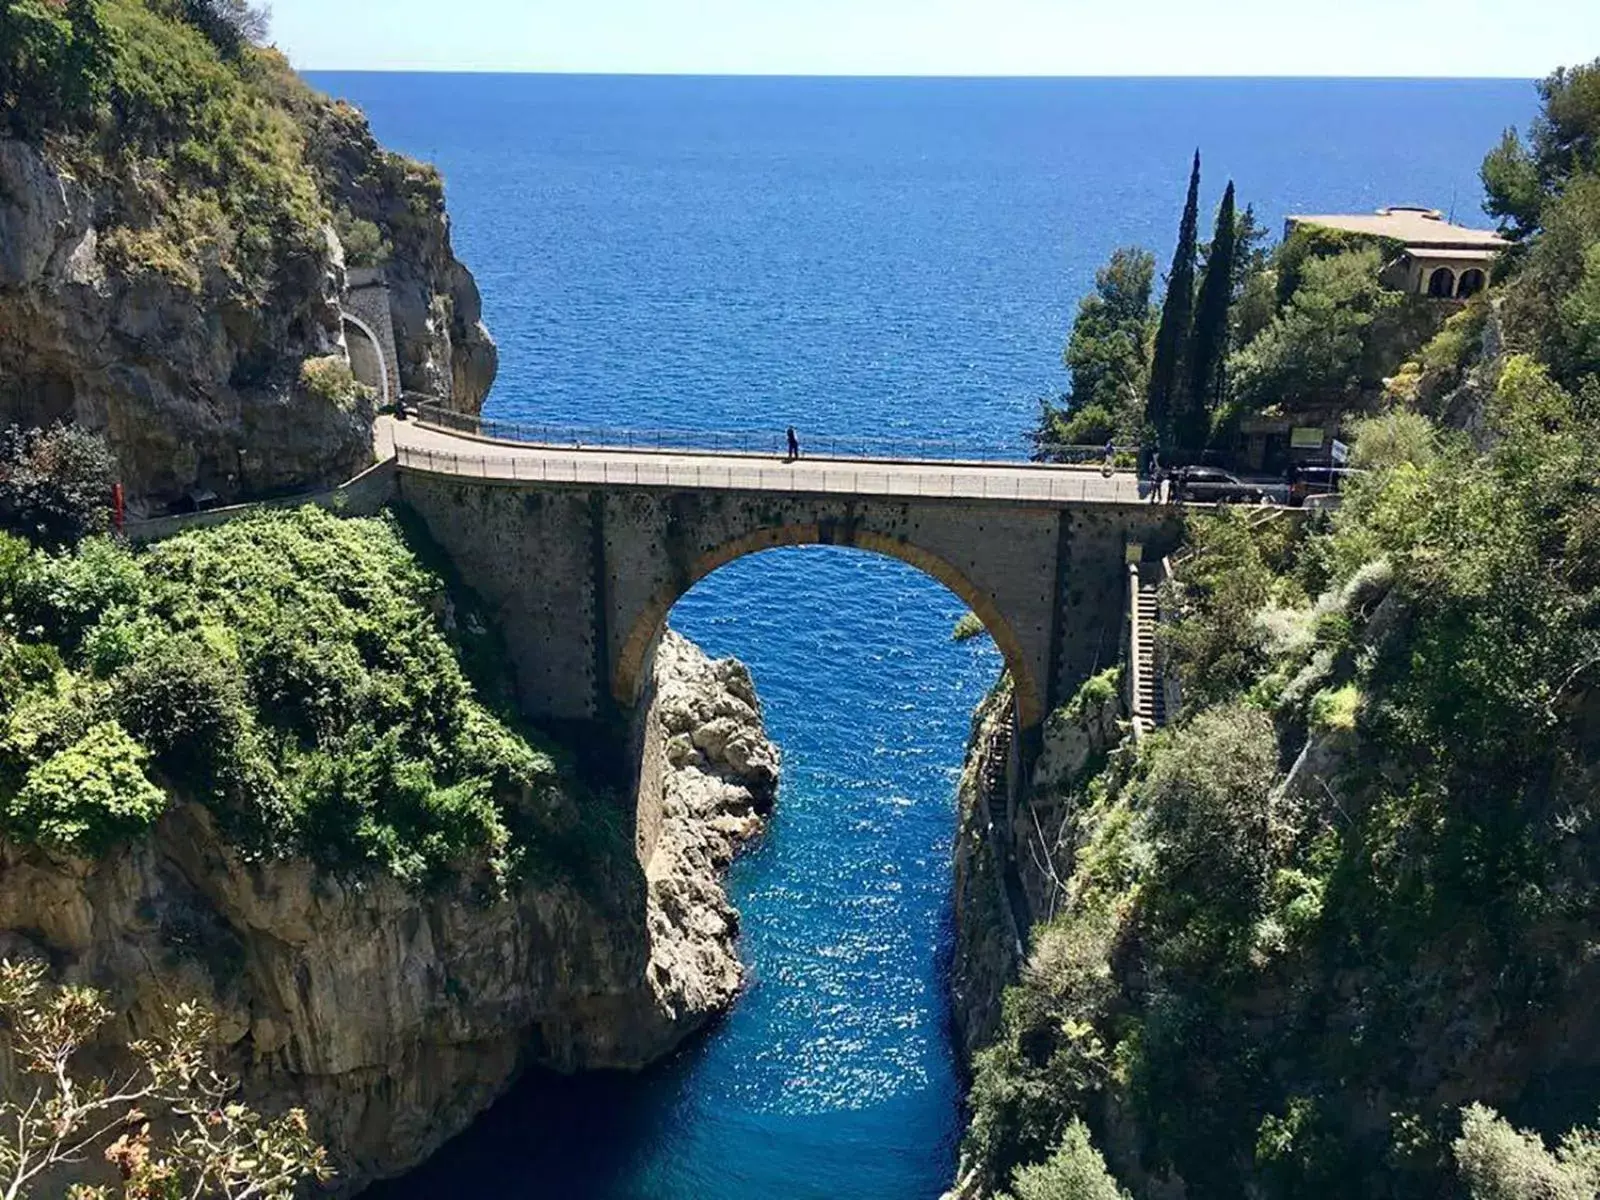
(1521, 38)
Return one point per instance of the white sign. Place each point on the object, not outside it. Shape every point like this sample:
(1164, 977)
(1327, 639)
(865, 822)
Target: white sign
(1341, 452)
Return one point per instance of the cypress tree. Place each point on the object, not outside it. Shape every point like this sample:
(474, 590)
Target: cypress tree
(1209, 349)
(1168, 377)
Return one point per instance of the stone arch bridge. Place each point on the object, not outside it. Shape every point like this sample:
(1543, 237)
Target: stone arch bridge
(582, 553)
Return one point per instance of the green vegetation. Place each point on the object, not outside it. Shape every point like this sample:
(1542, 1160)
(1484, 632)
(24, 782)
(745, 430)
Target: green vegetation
(330, 380)
(1075, 1171)
(212, 159)
(1108, 355)
(1499, 1163)
(1208, 355)
(1357, 883)
(287, 670)
(1307, 330)
(1167, 401)
(55, 484)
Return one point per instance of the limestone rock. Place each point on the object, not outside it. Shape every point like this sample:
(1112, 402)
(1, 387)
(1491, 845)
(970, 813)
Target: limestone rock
(703, 722)
(196, 381)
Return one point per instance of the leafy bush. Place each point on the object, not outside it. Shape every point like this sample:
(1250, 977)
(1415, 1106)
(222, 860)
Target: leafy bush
(1074, 1171)
(54, 63)
(55, 484)
(330, 380)
(1313, 353)
(1392, 439)
(364, 243)
(1235, 569)
(287, 669)
(66, 594)
(186, 704)
(88, 797)
(1497, 1162)
(1215, 834)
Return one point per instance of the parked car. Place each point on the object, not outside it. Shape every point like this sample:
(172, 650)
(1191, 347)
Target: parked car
(1214, 485)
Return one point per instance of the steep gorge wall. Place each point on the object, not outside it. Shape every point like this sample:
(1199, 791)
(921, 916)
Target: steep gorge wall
(392, 1015)
(990, 941)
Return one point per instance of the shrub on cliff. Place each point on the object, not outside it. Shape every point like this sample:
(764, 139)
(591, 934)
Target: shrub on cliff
(290, 671)
(55, 484)
(54, 64)
(1074, 1171)
(330, 380)
(171, 1127)
(89, 796)
(1497, 1162)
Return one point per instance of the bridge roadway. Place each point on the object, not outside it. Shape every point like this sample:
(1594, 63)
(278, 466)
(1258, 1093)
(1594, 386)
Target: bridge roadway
(437, 451)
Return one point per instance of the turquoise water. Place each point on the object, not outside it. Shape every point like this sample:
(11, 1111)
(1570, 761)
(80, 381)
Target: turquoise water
(857, 256)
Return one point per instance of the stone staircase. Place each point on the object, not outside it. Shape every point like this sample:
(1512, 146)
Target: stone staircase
(1149, 694)
(997, 752)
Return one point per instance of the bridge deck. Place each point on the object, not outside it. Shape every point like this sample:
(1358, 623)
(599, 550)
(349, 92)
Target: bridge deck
(426, 448)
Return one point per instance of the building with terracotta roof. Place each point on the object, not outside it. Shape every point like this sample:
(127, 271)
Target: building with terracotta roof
(1437, 258)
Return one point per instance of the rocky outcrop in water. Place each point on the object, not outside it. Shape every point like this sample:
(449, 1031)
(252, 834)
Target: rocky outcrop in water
(708, 778)
(395, 1016)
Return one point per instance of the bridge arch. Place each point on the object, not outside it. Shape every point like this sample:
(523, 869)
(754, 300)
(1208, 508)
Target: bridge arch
(631, 670)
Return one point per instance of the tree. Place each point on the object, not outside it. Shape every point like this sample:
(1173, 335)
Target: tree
(1312, 353)
(1106, 355)
(55, 484)
(1209, 351)
(230, 24)
(1168, 377)
(213, 1146)
(1564, 142)
(1497, 1162)
(1511, 183)
(1074, 1171)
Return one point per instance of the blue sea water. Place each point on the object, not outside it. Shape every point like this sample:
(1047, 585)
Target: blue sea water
(863, 257)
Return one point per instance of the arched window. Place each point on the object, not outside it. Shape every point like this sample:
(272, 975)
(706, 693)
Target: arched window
(1442, 283)
(1470, 283)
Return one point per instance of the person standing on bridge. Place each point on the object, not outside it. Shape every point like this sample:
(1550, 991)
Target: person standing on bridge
(794, 444)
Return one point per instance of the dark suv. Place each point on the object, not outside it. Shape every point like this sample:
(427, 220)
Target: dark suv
(1213, 484)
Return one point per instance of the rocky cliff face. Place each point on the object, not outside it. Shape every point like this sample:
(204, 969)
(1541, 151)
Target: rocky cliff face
(395, 1016)
(196, 375)
(992, 922)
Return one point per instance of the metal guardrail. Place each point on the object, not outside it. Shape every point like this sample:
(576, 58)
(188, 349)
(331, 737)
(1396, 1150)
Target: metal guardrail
(772, 442)
(1023, 484)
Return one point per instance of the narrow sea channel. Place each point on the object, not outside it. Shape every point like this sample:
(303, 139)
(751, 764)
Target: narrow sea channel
(855, 256)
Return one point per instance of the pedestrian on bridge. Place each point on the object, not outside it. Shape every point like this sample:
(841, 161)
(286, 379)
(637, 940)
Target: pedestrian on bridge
(794, 444)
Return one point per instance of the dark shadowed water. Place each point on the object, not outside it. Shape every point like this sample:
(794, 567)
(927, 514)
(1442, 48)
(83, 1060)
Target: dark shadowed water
(861, 256)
